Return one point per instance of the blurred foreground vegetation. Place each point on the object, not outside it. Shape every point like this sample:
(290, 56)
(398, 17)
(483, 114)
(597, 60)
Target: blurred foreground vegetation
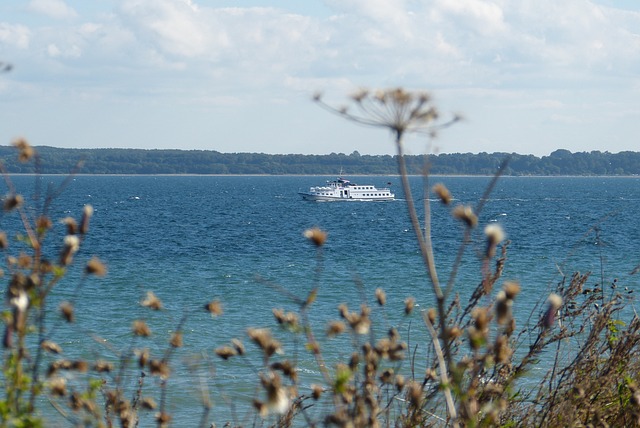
(139, 161)
(475, 371)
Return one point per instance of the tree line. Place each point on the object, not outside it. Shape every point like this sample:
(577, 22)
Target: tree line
(52, 160)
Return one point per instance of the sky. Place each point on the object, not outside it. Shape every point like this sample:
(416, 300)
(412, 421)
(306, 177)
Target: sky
(528, 76)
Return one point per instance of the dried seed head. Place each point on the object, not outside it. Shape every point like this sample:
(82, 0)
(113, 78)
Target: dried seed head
(225, 352)
(80, 365)
(317, 236)
(454, 332)
(25, 151)
(502, 352)
(335, 328)
(511, 289)
(24, 261)
(66, 309)
(409, 303)
(149, 403)
(495, 235)
(143, 357)
(20, 301)
(152, 301)
(163, 419)
(431, 315)
(360, 95)
(176, 340)
(95, 267)
(140, 328)
(261, 408)
(465, 214)
(277, 399)
(72, 226)
(101, 366)
(443, 193)
(316, 391)
(52, 347)
(400, 382)
(288, 319)
(343, 310)
(414, 394)
(43, 224)
(476, 337)
(262, 338)
(87, 213)
(481, 318)
(214, 308)
(12, 201)
(58, 386)
(554, 303)
(71, 246)
(354, 361)
(381, 297)
(287, 368)
(503, 307)
(238, 346)
(387, 376)
(159, 368)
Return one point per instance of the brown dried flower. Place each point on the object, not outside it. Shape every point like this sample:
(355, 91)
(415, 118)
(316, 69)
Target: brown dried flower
(225, 352)
(214, 308)
(140, 328)
(101, 366)
(176, 339)
(152, 301)
(95, 267)
(465, 214)
(317, 236)
(442, 193)
(87, 213)
(52, 347)
(159, 368)
(66, 309)
(12, 201)
(409, 303)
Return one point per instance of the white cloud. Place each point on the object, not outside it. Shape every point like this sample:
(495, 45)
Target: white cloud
(56, 9)
(484, 57)
(14, 35)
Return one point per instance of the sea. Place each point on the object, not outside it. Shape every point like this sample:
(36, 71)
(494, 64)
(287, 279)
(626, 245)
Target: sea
(240, 240)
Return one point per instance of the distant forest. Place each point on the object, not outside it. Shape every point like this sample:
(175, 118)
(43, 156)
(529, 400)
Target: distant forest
(138, 161)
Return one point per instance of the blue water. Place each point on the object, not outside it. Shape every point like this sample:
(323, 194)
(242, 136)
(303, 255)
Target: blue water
(239, 239)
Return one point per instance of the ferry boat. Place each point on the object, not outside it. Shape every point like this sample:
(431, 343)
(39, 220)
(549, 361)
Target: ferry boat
(344, 190)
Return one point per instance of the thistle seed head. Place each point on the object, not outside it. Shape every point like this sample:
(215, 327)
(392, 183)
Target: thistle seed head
(140, 328)
(66, 309)
(25, 151)
(225, 352)
(95, 267)
(152, 301)
(443, 193)
(465, 214)
(12, 201)
(214, 308)
(409, 304)
(317, 236)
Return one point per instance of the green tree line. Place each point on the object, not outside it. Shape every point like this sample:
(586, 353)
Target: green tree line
(54, 160)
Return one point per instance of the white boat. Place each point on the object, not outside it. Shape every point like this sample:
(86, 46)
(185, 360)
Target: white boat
(344, 190)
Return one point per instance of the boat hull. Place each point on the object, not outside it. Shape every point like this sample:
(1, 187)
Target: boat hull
(325, 198)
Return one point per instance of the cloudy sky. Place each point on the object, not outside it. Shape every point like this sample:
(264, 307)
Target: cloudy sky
(529, 76)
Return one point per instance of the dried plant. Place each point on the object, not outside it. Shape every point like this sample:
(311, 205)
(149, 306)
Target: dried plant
(468, 362)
